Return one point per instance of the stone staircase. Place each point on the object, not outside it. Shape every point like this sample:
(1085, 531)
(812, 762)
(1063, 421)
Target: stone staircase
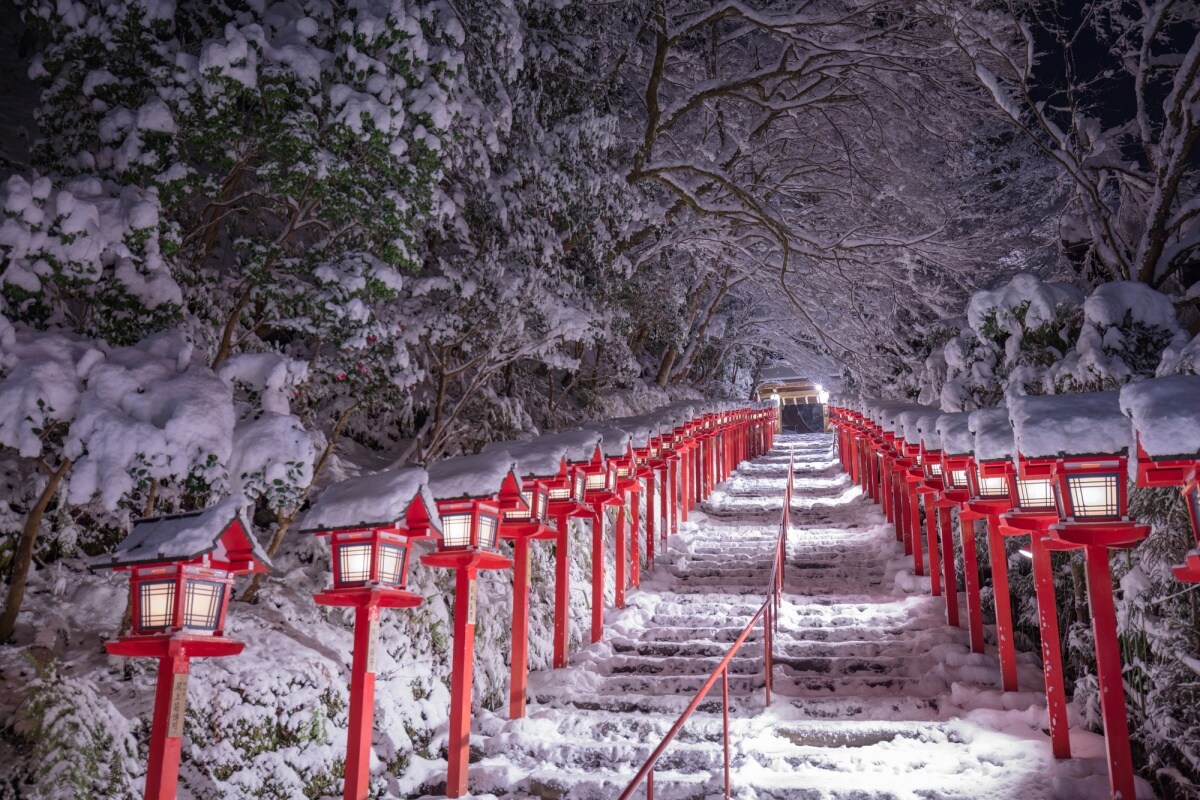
(874, 695)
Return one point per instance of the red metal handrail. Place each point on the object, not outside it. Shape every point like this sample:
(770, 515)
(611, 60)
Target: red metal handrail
(769, 614)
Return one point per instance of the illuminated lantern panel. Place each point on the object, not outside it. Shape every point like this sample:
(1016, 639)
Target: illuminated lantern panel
(1193, 504)
(934, 469)
(487, 531)
(1035, 494)
(956, 479)
(530, 510)
(580, 486)
(456, 530)
(158, 599)
(992, 486)
(156, 604)
(1094, 495)
(597, 481)
(353, 563)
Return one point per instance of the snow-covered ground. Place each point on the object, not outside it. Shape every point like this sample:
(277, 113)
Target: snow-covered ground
(875, 696)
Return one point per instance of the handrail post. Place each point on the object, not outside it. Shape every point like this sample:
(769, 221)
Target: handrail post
(650, 785)
(725, 723)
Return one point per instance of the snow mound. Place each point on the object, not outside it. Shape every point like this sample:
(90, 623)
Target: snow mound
(993, 434)
(1166, 415)
(955, 430)
(1070, 425)
(382, 498)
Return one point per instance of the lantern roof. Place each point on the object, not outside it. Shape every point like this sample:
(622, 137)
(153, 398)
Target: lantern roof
(1166, 415)
(541, 457)
(642, 429)
(1053, 426)
(221, 533)
(927, 429)
(614, 442)
(908, 424)
(955, 431)
(993, 434)
(390, 498)
(886, 414)
(471, 477)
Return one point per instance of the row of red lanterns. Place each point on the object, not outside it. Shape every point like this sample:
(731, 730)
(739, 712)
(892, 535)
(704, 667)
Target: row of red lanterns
(1053, 468)
(182, 566)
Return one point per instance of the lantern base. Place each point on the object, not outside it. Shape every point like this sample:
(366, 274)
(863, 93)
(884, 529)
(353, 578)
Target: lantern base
(569, 509)
(174, 645)
(1016, 523)
(368, 597)
(527, 530)
(1106, 534)
(1189, 570)
(987, 508)
(461, 559)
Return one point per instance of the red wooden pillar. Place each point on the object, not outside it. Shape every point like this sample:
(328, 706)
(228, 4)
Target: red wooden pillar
(931, 543)
(620, 558)
(945, 527)
(1056, 699)
(966, 521)
(672, 507)
(651, 518)
(900, 498)
(1004, 626)
(362, 703)
(635, 544)
(598, 573)
(1108, 673)
(166, 729)
(562, 590)
(519, 658)
(462, 667)
(684, 484)
(914, 531)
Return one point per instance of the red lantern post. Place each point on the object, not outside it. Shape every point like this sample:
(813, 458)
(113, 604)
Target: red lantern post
(466, 492)
(370, 572)
(600, 492)
(1086, 438)
(181, 570)
(957, 469)
(1166, 424)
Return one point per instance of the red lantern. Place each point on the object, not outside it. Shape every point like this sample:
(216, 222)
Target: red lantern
(466, 490)
(370, 572)
(181, 572)
(1166, 424)
(1091, 515)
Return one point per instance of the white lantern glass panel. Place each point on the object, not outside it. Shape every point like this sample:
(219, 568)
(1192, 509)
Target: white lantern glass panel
(596, 480)
(958, 478)
(1094, 495)
(541, 499)
(579, 487)
(993, 486)
(456, 530)
(935, 470)
(563, 493)
(202, 604)
(156, 604)
(1193, 501)
(525, 513)
(354, 563)
(1035, 493)
(391, 564)
(487, 531)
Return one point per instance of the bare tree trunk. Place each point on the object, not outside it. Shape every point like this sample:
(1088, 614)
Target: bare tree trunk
(23, 558)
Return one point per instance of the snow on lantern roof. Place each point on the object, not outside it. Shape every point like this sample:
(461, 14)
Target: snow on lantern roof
(906, 425)
(886, 414)
(927, 429)
(993, 434)
(541, 457)
(580, 444)
(957, 439)
(380, 499)
(614, 442)
(474, 477)
(1166, 415)
(641, 429)
(220, 532)
(1052, 426)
